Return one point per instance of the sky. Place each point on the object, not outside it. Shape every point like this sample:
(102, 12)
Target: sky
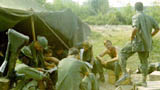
(119, 3)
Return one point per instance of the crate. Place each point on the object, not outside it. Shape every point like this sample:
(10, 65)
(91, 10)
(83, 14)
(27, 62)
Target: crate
(154, 76)
(151, 85)
(4, 83)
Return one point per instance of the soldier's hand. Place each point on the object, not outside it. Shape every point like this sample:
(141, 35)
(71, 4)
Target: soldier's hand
(40, 69)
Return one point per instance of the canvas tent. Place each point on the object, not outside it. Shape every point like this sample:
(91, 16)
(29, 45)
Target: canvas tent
(61, 28)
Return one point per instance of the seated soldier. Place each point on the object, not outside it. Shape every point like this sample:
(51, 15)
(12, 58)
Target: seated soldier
(35, 52)
(87, 56)
(113, 63)
(50, 61)
(71, 72)
(36, 73)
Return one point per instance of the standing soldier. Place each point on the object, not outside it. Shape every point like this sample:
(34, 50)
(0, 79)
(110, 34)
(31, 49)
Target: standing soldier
(141, 42)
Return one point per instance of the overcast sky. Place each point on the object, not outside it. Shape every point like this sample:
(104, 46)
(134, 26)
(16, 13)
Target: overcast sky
(120, 3)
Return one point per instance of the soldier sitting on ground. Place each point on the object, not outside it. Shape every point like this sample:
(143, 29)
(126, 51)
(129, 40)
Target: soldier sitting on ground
(50, 61)
(87, 56)
(38, 72)
(113, 63)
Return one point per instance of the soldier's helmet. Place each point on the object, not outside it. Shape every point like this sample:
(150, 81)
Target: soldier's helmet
(73, 51)
(43, 42)
(139, 6)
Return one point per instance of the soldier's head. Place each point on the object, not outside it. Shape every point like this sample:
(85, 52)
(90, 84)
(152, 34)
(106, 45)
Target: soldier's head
(86, 45)
(41, 43)
(74, 52)
(139, 6)
(107, 43)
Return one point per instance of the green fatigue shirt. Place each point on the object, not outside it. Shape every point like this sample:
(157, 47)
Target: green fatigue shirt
(88, 55)
(36, 57)
(144, 25)
(70, 74)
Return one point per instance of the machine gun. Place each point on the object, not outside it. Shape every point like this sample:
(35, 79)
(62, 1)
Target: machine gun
(16, 41)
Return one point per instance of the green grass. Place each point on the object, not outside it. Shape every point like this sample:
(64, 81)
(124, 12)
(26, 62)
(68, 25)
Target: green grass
(119, 38)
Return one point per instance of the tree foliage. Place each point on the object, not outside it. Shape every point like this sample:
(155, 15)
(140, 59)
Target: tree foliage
(98, 11)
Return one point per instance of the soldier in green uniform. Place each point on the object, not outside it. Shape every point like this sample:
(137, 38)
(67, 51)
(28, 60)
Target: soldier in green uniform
(73, 74)
(35, 52)
(141, 42)
(36, 73)
(88, 57)
(71, 71)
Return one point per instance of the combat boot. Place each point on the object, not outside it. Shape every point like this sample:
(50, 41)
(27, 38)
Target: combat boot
(124, 77)
(143, 83)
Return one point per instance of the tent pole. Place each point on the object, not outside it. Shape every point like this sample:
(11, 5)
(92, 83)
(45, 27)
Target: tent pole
(33, 29)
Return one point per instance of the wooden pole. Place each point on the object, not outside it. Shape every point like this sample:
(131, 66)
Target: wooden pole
(33, 28)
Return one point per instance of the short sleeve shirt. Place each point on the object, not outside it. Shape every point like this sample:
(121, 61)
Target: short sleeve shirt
(144, 25)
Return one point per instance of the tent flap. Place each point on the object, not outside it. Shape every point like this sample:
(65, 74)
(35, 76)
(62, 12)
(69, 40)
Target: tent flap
(60, 28)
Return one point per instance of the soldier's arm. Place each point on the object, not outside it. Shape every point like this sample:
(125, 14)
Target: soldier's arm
(133, 33)
(49, 66)
(135, 25)
(52, 59)
(155, 32)
(155, 26)
(113, 59)
(103, 53)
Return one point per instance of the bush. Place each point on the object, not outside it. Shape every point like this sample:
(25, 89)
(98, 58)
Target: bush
(113, 17)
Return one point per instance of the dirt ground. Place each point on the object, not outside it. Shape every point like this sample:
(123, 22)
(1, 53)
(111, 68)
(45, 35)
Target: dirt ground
(107, 86)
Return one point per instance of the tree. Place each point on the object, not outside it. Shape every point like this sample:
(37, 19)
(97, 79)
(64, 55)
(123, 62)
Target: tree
(99, 5)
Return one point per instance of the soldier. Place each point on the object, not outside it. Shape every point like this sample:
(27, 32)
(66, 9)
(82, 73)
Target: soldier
(35, 52)
(50, 61)
(113, 63)
(36, 73)
(141, 42)
(71, 71)
(87, 56)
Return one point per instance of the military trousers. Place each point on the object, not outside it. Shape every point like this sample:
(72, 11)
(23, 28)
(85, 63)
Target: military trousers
(89, 83)
(127, 52)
